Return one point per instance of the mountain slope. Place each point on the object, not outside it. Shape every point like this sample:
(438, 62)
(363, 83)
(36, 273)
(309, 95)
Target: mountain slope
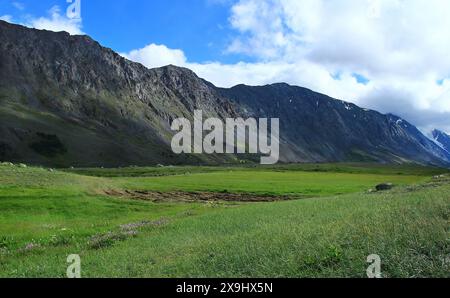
(318, 128)
(67, 101)
(442, 139)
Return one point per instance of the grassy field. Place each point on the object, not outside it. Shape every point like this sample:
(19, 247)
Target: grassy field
(329, 232)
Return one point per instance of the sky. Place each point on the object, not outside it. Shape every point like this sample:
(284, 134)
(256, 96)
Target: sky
(389, 55)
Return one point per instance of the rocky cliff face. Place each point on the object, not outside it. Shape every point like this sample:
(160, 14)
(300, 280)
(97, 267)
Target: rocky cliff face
(318, 128)
(102, 109)
(441, 139)
(67, 101)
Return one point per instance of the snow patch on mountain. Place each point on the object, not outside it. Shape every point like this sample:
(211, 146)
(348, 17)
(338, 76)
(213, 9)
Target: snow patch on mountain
(441, 139)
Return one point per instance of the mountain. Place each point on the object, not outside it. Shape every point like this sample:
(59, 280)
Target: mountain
(67, 101)
(442, 139)
(318, 128)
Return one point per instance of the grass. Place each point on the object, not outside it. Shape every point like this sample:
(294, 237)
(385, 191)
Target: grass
(303, 184)
(45, 216)
(349, 168)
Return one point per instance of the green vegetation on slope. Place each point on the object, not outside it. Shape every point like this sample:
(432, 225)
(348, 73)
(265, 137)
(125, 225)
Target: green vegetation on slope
(45, 216)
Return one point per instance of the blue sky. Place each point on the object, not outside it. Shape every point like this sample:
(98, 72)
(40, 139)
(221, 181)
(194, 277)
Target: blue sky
(391, 56)
(199, 27)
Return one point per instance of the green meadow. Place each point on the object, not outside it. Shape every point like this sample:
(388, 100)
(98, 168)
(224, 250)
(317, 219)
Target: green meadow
(328, 227)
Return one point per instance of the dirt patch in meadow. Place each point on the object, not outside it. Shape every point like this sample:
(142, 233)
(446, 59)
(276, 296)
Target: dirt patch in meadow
(179, 196)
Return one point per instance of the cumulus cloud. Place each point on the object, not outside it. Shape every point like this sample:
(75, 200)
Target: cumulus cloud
(154, 55)
(345, 33)
(56, 21)
(400, 46)
(227, 75)
(6, 18)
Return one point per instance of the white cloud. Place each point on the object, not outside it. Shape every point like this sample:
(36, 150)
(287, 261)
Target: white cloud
(156, 56)
(400, 46)
(342, 33)
(57, 22)
(303, 73)
(6, 18)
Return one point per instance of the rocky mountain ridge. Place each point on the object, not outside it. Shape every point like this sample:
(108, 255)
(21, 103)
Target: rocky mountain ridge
(67, 101)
